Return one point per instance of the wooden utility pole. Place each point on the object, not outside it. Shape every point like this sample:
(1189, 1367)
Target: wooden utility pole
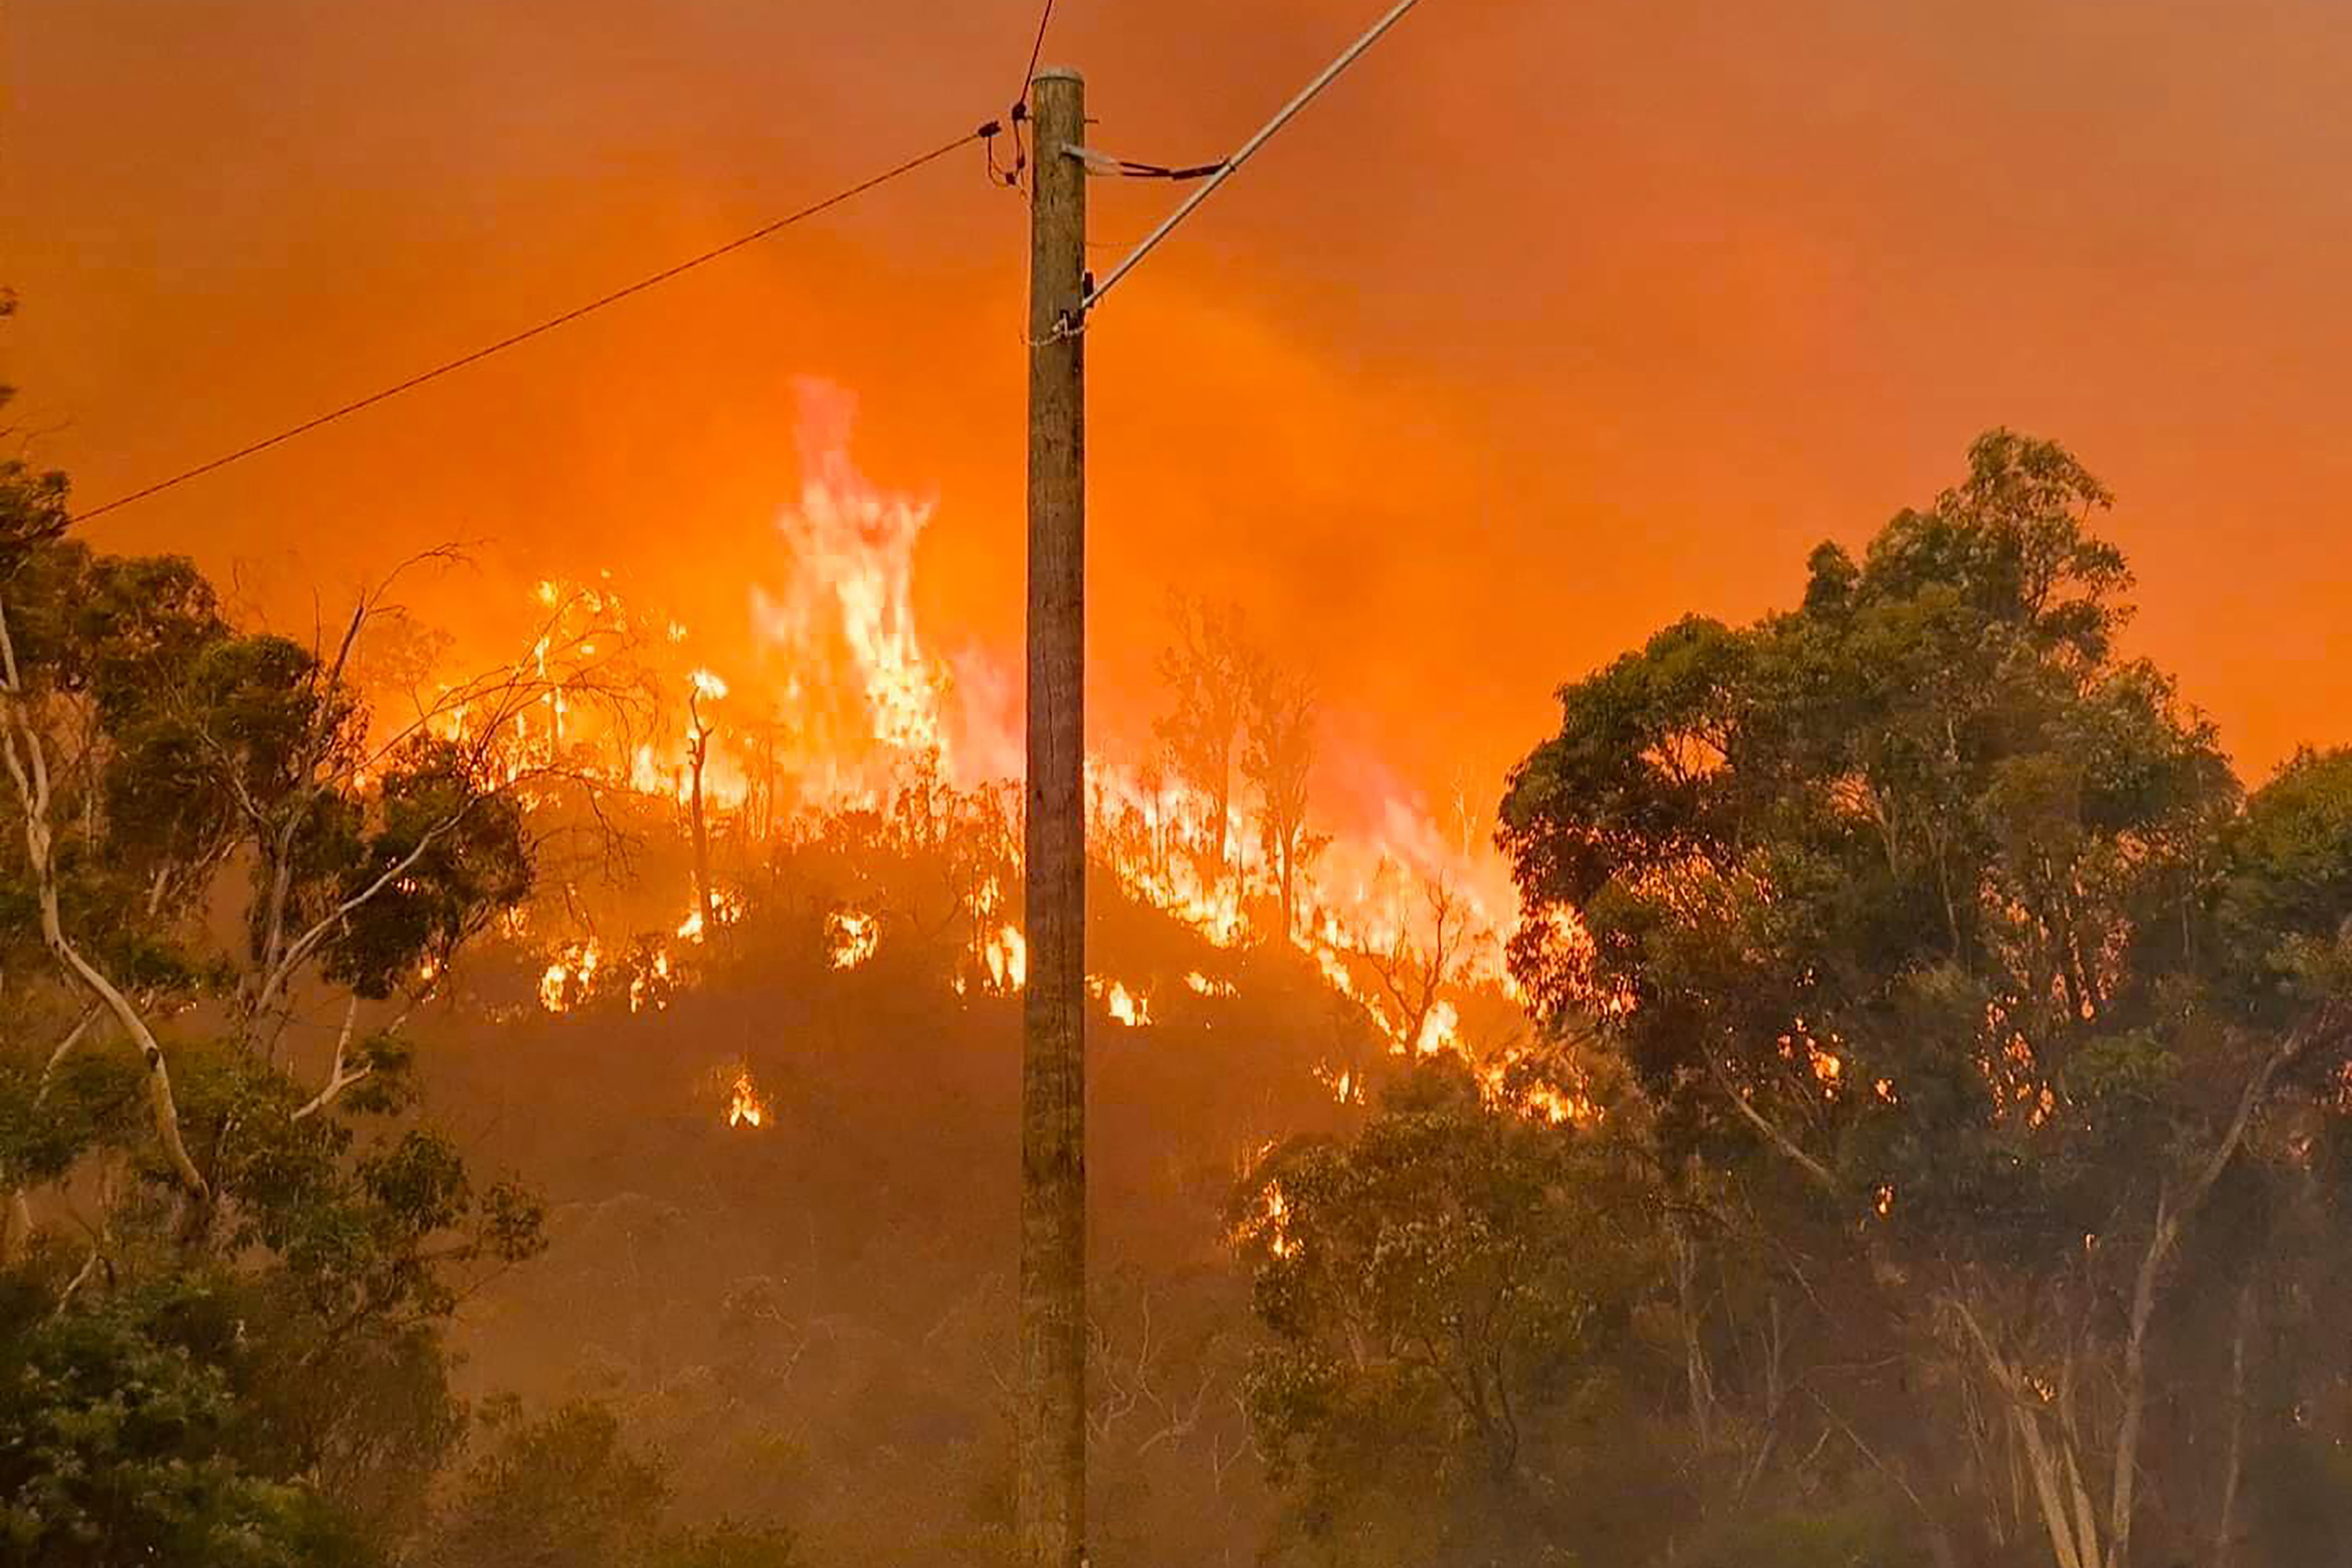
(1050, 1488)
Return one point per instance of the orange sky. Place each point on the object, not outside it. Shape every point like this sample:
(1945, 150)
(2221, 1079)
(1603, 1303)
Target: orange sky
(1552, 322)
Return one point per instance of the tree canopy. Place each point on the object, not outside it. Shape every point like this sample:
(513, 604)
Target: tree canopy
(1940, 926)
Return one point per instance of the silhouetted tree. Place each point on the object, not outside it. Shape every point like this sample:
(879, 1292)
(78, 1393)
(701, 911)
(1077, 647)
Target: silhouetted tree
(1278, 757)
(1207, 669)
(1949, 938)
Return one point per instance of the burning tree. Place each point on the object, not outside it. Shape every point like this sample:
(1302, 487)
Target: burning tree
(700, 685)
(1279, 754)
(1207, 669)
(1418, 959)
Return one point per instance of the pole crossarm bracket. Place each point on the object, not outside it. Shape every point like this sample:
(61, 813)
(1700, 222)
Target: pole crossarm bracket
(1114, 167)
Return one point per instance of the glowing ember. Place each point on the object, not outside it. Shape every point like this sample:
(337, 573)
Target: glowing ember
(852, 937)
(1271, 1223)
(745, 1107)
(1202, 985)
(1007, 957)
(1347, 1085)
(1440, 1031)
(1554, 1100)
(728, 908)
(1129, 1007)
(1548, 1102)
(567, 981)
(650, 987)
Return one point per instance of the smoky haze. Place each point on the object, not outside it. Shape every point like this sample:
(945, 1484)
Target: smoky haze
(1863, 1075)
(1582, 315)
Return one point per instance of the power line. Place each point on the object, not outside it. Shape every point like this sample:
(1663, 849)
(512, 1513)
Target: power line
(551, 323)
(1232, 166)
(1019, 115)
(1037, 52)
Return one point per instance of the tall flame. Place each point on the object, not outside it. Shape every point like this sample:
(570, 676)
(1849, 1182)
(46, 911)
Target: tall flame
(861, 692)
(1007, 956)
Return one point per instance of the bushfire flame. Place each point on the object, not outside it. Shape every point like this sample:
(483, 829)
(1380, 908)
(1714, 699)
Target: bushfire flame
(1007, 957)
(1132, 1008)
(744, 1107)
(846, 702)
(571, 976)
(1270, 1223)
(852, 937)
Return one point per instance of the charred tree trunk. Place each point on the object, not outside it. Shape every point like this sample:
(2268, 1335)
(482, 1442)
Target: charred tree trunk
(696, 755)
(1289, 883)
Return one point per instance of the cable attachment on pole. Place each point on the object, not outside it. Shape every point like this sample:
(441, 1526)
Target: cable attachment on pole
(1105, 164)
(998, 174)
(1020, 117)
(988, 134)
(1071, 324)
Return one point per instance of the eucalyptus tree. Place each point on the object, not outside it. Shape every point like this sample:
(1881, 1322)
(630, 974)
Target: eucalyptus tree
(1942, 927)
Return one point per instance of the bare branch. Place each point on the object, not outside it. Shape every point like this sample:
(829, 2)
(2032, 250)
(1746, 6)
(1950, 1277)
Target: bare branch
(64, 1048)
(338, 1079)
(300, 951)
(73, 1286)
(1780, 1139)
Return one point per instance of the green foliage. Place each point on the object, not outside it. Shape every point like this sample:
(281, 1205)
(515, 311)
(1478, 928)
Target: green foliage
(553, 1493)
(1927, 824)
(179, 745)
(1871, 1534)
(462, 853)
(728, 1545)
(309, 1367)
(564, 1491)
(125, 1437)
(1954, 949)
(261, 1377)
(32, 503)
(2285, 906)
(1443, 1293)
(91, 1099)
